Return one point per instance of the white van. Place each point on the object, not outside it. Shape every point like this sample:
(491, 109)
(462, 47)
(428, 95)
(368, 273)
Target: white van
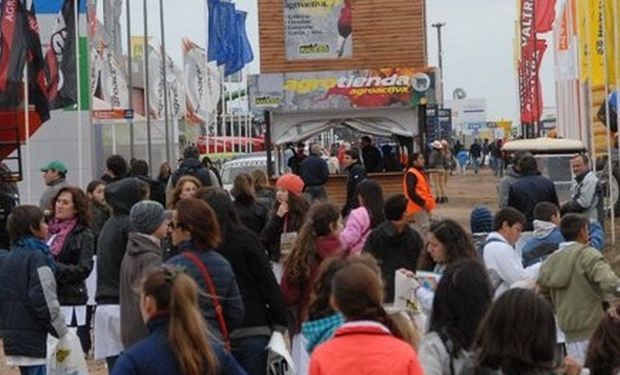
(244, 164)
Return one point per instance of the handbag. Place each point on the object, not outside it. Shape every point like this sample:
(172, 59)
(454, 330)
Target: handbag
(279, 360)
(219, 311)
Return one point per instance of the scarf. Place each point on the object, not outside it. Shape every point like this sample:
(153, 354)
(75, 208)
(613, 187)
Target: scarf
(33, 243)
(61, 229)
(320, 330)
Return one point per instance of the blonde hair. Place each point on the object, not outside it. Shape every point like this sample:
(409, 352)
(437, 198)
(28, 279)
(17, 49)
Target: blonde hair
(176, 292)
(403, 322)
(176, 195)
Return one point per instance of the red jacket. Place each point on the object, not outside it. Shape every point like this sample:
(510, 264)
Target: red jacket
(367, 348)
(299, 296)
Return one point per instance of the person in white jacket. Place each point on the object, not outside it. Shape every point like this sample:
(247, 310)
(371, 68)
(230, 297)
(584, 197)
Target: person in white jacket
(503, 262)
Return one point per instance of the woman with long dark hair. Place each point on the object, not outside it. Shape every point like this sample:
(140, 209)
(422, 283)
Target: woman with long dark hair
(518, 336)
(603, 356)
(364, 218)
(72, 246)
(287, 216)
(196, 234)
(317, 241)
(462, 298)
(252, 215)
(179, 342)
(369, 342)
(262, 298)
(264, 193)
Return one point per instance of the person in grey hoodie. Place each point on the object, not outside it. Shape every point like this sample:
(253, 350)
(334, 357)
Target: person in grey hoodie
(149, 224)
(546, 237)
(512, 174)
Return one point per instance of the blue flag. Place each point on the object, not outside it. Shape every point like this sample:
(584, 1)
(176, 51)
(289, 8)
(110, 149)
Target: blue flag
(242, 50)
(54, 6)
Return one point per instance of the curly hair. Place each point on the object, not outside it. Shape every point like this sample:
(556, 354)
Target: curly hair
(176, 195)
(80, 203)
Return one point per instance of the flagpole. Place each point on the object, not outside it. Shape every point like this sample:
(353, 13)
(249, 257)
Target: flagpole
(165, 73)
(129, 80)
(79, 89)
(607, 119)
(27, 136)
(147, 109)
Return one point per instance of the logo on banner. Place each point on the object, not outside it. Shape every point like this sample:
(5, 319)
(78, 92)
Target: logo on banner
(421, 82)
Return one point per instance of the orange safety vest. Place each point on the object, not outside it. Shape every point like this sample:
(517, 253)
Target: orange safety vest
(423, 189)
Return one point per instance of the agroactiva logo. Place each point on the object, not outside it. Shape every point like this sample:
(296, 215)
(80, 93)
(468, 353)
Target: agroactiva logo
(373, 81)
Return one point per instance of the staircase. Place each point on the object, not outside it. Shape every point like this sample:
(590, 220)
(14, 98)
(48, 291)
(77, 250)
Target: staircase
(13, 135)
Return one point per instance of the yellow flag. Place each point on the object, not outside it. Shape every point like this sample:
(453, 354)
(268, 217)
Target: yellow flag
(597, 41)
(611, 38)
(583, 27)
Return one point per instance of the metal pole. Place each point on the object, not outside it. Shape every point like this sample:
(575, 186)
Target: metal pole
(268, 143)
(79, 91)
(438, 26)
(129, 80)
(147, 109)
(165, 75)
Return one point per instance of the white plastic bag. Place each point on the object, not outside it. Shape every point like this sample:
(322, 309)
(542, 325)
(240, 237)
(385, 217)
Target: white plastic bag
(279, 360)
(65, 355)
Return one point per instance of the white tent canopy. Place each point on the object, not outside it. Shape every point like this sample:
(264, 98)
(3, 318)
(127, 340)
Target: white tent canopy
(384, 122)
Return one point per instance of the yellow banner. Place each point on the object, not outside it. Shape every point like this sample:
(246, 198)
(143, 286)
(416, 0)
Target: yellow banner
(597, 41)
(583, 22)
(611, 38)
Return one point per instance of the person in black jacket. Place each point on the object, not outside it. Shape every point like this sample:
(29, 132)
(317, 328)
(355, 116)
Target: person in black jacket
(29, 308)
(9, 199)
(71, 243)
(529, 190)
(116, 169)
(394, 244)
(294, 162)
(196, 234)
(140, 169)
(371, 156)
(252, 214)
(192, 166)
(121, 196)
(475, 151)
(262, 298)
(314, 172)
(356, 174)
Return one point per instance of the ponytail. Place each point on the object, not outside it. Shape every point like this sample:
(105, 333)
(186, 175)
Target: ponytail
(177, 293)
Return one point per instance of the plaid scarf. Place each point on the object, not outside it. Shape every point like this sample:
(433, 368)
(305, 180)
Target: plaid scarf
(320, 330)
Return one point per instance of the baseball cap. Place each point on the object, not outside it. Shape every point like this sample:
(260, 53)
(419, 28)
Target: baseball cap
(55, 165)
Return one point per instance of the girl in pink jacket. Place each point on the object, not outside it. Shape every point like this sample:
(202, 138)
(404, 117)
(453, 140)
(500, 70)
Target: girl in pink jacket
(363, 219)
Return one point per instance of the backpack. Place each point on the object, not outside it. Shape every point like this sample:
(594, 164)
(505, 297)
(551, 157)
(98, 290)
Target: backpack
(494, 277)
(200, 172)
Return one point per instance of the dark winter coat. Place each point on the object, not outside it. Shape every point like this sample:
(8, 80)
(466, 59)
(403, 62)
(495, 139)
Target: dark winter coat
(254, 215)
(372, 159)
(356, 174)
(529, 190)
(266, 197)
(100, 213)
(225, 285)
(192, 167)
(142, 254)
(29, 307)
(393, 251)
(262, 298)
(121, 196)
(74, 264)
(314, 171)
(9, 199)
(154, 355)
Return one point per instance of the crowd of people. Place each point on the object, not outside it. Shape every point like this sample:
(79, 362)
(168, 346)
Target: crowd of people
(175, 275)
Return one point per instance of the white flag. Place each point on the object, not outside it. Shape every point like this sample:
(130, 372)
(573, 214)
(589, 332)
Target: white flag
(202, 85)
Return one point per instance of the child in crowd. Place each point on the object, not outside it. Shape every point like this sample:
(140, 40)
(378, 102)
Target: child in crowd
(364, 218)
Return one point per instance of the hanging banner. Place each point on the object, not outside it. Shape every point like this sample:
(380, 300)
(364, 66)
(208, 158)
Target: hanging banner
(529, 81)
(545, 15)
(376, 88)
(202, 85)
(108, 86)
(176, 89)
(318, 29)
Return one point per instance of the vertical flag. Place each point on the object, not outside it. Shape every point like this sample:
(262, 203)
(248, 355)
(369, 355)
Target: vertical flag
(156, 86)
(202, 84)
(37, 83)
(544, 11)
(242, 49)
(60, 59)
(13, 48)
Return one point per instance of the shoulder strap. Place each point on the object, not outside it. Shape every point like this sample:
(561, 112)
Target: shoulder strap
(219, 311)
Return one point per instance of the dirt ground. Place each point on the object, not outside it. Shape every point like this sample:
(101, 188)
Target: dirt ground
(464, 192)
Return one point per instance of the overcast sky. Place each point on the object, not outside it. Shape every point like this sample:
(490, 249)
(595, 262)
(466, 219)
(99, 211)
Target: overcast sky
(477, 45)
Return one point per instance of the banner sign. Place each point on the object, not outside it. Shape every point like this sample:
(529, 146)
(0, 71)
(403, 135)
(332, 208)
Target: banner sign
(376, 88)
(318, 29)
(532, 51)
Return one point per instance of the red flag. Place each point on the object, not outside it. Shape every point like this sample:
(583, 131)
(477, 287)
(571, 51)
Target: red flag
(37, 82)
(13, 47)
(529, 81)
(544, 11)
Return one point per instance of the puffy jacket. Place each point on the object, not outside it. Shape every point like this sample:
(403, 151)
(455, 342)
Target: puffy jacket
(527, 192)
(356, 230)
(545, 233)
(393, 251)
(225, 285)
(585, 193)
(356, 174)
(577, 280)
(261, 295)
(74, 263)
(29, 308)
(154, 355)
(143, 254)
(314, 171)
(253, 216)
(121, 196)
(194, 168)
(364, 348)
